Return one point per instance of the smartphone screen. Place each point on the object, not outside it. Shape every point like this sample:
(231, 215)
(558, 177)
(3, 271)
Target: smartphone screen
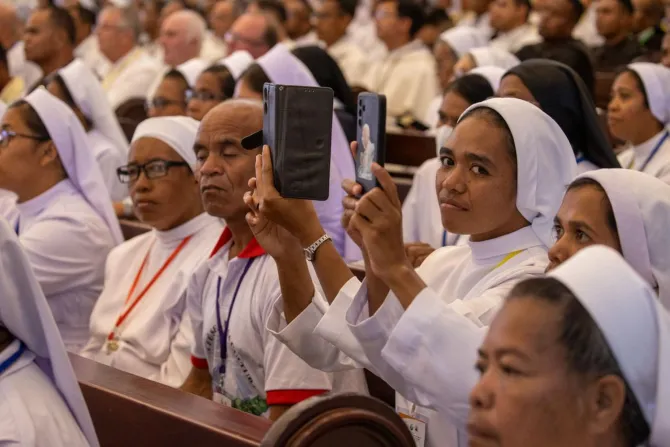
(371, 138)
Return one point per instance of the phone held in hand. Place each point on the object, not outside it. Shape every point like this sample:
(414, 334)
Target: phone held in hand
(297, 125)
(371, 138)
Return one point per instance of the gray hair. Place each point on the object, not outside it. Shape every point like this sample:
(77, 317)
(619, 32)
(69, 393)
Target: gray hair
(129, 18)
(196, 27)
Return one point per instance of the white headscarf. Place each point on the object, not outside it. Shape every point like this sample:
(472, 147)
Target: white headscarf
(24, 311)
(237, 62)
(487, 56)
(462, 39)
(656, 80)
(91, 99)
(641, 206)
(545, 161)
(178, 132)
(635, 325)
(191, 69)
(86, 4)
(491, 74)
(70, 140)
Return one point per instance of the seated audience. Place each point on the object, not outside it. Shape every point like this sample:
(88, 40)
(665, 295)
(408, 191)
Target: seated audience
(11, 30)
(585, 30)
(253, 32)
(509, 20)
(240, 364)
(453, 45)
(437, 21)
(182, 35)
(614, 21)
(222, 16)
(171, 96)
(41, 403)
(11, 87)
(276, 12)
(77, 87)
(138, 324)
(299, 22)
(84, 14)
(647, 24)
(485, 57)
(66, 222)
(476, 15)
(638, 113)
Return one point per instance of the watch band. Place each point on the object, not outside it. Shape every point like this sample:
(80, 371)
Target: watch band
(310, 252)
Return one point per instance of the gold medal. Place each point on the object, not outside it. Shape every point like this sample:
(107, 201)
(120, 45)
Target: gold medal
(112, 346)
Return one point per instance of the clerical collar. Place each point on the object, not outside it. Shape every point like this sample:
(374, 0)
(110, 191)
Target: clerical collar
(186, 229)
(485, 252)
(642, 151)
(35, 205)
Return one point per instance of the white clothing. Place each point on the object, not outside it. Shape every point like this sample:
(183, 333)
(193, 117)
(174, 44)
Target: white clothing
(155, 342)
(259, 370)
(177, 131)
(491, 73)
(89, 53)
(462, 39)
(516, 39)
(108, 158)
(656, 81)
(190, 70)
(351, 59)
(584, 166)
(130, 77)
(407, 77)
(495, 57)
(659, 166)
(67, 243)
(481, 23)
(212, 48)
(237, 63)
(366, 38)
(8, 210)
(308, 39)
(586, 30)
(432, 117)
(19, 66)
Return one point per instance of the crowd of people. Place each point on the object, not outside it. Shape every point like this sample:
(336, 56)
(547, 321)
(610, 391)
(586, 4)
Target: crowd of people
(518, 295)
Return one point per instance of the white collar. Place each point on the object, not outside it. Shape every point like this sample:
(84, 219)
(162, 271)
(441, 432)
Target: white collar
(37, 204)
(184, 230)
(516, 32)
(130, 56)
(490, 252)
(643, 151)
(406, 49)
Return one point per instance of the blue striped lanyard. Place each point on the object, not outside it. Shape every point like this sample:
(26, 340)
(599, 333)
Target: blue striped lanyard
(444, 238)
(656, 148)
(13, 358)
(223, 330)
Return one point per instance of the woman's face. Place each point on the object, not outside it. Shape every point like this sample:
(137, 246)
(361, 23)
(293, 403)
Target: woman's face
(511, 86)
(206, 95)
(476, 184)
(626, 112)
(246, 92)
(169, 99)
(453, 106)
(581, 221)
(445, 59)
(526, 396)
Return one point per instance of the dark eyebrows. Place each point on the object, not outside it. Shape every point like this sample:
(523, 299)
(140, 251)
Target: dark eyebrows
(479, 158)
(197, 147)
(511, 351)
(482, 354)
(581, 225)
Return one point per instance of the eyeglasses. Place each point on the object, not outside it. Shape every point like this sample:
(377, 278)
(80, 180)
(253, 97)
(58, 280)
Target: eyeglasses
(159, 102)
(203, 96)
(231, 37)
(7, 135)
(152, 169)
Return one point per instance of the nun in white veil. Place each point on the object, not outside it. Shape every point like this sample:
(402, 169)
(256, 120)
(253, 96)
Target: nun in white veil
(66, 222)
(7, 199)
(77, 86)
(42, 404)
(237, 62)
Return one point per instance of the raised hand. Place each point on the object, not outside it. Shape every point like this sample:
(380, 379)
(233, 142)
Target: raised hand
(417, 252)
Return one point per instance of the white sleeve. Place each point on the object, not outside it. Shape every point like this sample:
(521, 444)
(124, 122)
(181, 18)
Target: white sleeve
(176, 368)
(410, 213)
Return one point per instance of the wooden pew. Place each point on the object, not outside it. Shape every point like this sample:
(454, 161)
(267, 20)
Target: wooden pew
(128, 410)
(603, 88)
(130, 114)
(409, 148)
(132, 228)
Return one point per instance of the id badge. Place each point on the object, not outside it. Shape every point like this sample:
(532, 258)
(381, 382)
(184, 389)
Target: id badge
(416, 426)
(218, 395)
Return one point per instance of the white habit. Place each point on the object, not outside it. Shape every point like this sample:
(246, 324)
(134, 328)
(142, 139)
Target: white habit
(130, 77)
(516, 39)
(351, 59)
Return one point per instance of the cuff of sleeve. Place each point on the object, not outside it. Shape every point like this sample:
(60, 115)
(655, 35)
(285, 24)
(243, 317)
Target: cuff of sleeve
(332, 326)
(303, 324)
(199, 363)
(291, 397)
(376, 327)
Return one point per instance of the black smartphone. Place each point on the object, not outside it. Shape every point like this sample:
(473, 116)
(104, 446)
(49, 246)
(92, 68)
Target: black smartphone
(297, 125)
(371, 137)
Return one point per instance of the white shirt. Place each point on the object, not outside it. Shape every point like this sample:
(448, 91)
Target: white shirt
(465, 287)
(89, 52)
(586, 30)
(8, 208)
(67, 244)
(109, 158)
(407, 77)
(350, 58)
(365, 36)
(19, 66)
(32, 411)
(659, 165)
(212, 48)
(512, 41)
(260, 370)
(482, 23)
(308, 39)
(130, 77)
(432, 116)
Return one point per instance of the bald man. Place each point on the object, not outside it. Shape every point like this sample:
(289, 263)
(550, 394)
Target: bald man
(254, 32)
(10, 39)
(241, 365)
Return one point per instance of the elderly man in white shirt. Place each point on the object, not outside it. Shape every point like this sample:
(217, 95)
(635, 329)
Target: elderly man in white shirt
(84, 13)
(132, 71)
(10, 39)
(140, 323)
(509, 20)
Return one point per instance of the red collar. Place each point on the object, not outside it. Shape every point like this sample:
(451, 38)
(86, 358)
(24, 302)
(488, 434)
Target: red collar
(252, 250)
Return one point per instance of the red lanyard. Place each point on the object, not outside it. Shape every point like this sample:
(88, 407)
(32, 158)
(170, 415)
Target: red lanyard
(166, 264)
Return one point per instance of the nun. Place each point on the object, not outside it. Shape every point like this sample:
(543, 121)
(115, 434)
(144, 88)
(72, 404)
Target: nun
(139, 324)
(494, 185)
(41, 405)
(216, 83)
(559, 91)
(596, 342)
(281, 67)
(485, 57)
(639, 113)
(66, 222)
(170, 96)
(77, 86)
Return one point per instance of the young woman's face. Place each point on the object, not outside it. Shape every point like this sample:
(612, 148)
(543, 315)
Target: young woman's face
(511, 86)
(581, 221)
(453, 106)
(626, 112)
(169, 99)
(476, 184)
(526, 396)
(206, 95)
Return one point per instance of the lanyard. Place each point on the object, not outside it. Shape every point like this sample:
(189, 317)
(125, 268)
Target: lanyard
(444, 238)
(653, 152)
(507, 258)
(16, 228)
(223, 330)
(12, 359)
(579, 159)
(112, 344)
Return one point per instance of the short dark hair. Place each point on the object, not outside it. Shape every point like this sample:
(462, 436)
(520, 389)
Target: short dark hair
(577, 9)
(627, 6)
(61, 18)
(3, 57)
(409, 9)
(87, 16)
(271, 34)
(255, 77)
(473, 88)
(225, 78)
(33, 120)
(436, 16)
(611, 219)
(273, 7)
(587, 350)
(178, 76)
(348, 7)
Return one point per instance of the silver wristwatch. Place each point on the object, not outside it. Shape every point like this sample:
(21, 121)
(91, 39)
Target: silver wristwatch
(310, 252)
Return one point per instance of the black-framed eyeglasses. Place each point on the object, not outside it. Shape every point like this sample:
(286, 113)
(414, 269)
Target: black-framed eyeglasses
(203, 96)
(7, 135)
(159, 102)
(152, 169)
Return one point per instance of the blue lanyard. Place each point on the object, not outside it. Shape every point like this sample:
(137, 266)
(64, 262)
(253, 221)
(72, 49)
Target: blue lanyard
(579, 159)
(14, 357)
(656, 148)
(223, 330)
(444, 238)
(16, 228)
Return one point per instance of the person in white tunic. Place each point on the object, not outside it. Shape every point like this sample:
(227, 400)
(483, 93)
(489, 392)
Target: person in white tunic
(510, 224)
(10, 38)
(477, 16)
(509, 20)
(407, 74)
(66, 222)
(639, 113)
(578, 358)
(139, 324)
(77, 86)
(170, 98)
(235, 360)
(485, 57)
(8, 209)
(41, 404)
